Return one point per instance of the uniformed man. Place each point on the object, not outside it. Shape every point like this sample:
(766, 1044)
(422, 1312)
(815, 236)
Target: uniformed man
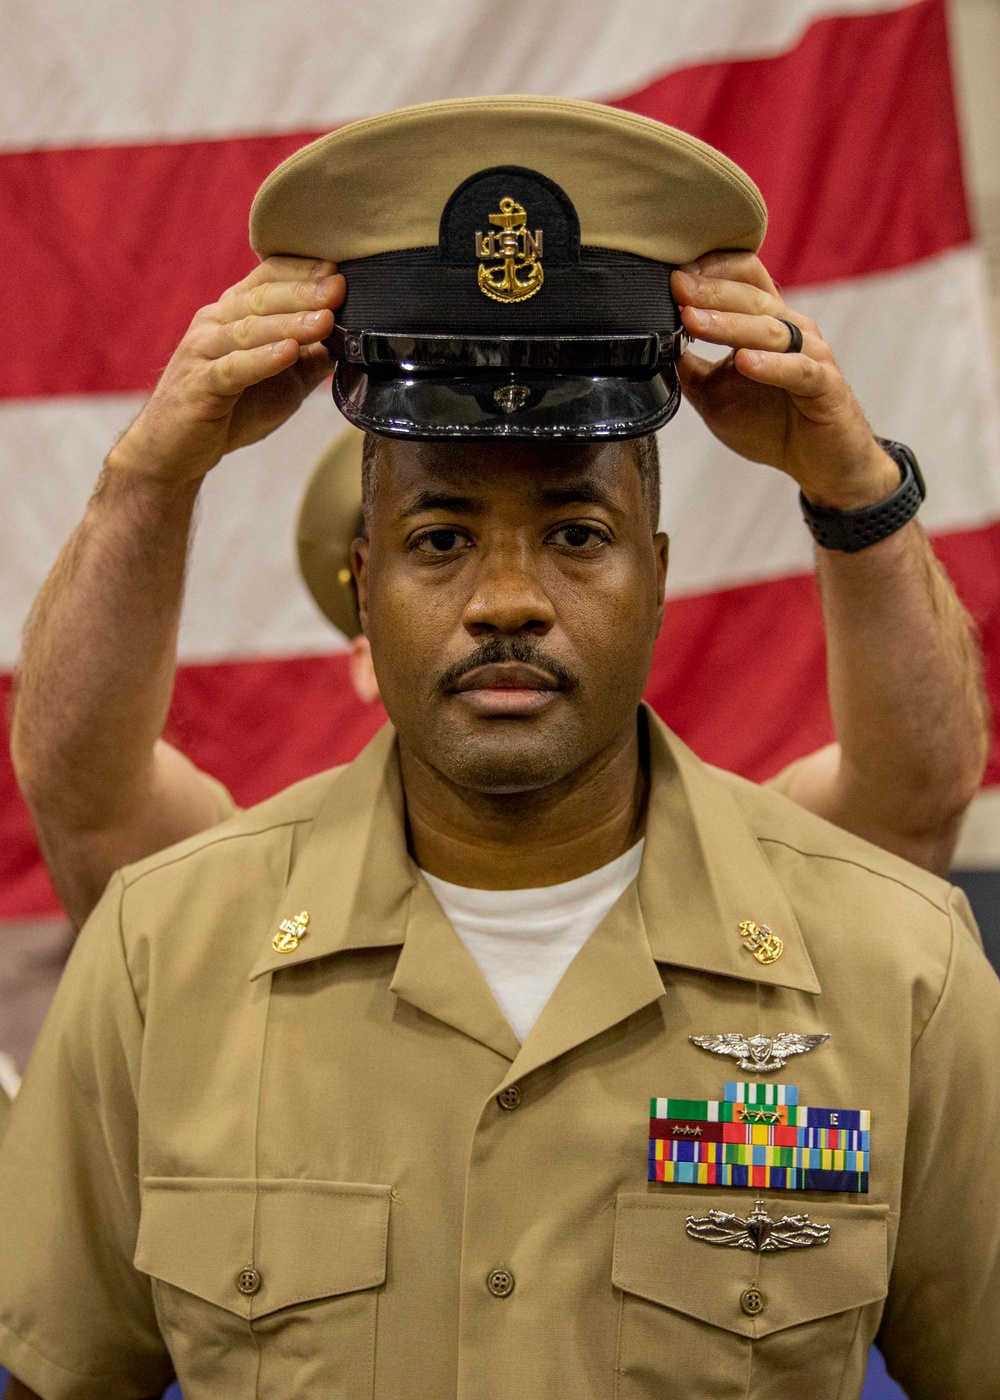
(105, 789)
(526, 1056)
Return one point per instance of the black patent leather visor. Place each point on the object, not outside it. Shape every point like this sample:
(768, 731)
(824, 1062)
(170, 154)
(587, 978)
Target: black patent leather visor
(445, 386)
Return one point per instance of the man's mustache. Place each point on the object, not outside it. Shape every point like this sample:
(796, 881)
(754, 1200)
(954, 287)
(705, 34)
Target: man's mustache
(496, 650)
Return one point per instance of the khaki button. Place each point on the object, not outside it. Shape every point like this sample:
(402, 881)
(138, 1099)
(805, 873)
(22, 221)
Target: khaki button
(752, 1301)
(248, 1281)
(500, 1282)
(510, 1097)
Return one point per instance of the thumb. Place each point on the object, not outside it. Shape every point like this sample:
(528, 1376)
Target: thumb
(694, 374)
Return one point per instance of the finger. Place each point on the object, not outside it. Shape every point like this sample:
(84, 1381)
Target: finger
(251, 331)
(239, 370)
(736, 267)
(316, 353)
(695, 373)
(722, 294)
(284, 269)
(800, 375)
(314, 365)
(309, 372)
(272, 298)
(749, 332)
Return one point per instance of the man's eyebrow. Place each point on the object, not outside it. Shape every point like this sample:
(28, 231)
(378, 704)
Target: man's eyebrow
(440, 500)
(579, 493)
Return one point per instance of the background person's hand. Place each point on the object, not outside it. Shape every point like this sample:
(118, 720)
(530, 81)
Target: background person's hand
(795, 412)
(244, 366)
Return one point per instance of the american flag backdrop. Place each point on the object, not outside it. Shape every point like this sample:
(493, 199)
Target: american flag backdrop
(135, 137)
(132, 139)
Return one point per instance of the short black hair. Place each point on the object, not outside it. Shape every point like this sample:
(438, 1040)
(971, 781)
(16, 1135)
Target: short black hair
(647, 459)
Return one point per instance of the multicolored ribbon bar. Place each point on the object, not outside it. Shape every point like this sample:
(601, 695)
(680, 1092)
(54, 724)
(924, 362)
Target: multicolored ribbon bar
(759, 1135)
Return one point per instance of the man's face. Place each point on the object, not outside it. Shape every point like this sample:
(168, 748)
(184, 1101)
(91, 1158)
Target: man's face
(512, 595)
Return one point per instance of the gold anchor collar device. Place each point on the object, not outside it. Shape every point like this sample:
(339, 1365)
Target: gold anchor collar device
(759, 940)
(291, 933)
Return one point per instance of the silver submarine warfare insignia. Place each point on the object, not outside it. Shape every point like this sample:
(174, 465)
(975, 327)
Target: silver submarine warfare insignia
(758, 1231)
(759, 1053)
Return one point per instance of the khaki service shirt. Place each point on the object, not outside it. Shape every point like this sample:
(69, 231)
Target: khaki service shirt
(278, 1174)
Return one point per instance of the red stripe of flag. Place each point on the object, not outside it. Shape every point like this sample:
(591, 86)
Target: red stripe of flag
(113, 249)
(851, 136)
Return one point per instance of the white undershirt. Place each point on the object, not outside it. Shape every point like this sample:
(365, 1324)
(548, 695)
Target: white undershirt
(524, 940)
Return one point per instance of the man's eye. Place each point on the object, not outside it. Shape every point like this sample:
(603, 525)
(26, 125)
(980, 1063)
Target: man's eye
(579, 536)
(441, 542)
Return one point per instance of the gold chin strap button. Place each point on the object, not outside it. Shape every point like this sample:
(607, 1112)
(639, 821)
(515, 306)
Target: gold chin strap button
(511, 397)
(758, 939)
(290, 933)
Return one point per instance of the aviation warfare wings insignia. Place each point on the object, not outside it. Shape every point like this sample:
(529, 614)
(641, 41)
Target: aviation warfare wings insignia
(759, 1053)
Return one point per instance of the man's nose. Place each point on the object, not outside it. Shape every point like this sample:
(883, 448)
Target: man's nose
(508, 596)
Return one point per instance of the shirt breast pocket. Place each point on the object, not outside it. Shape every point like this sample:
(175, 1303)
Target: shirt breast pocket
(266, 1288)
(703, 1319)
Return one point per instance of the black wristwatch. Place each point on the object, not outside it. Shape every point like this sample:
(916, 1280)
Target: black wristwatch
(852, 530)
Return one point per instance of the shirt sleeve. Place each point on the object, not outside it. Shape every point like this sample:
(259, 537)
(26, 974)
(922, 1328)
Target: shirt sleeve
(940, 1330)
(76, 1318)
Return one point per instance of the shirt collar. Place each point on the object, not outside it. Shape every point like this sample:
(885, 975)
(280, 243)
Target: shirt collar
(354, 875)
(702, 872)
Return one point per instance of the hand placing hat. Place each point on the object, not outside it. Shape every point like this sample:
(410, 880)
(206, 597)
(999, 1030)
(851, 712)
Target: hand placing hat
(242, 368)
(793, 411)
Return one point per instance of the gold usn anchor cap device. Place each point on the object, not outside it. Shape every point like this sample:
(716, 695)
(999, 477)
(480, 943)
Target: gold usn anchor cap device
(507, 261)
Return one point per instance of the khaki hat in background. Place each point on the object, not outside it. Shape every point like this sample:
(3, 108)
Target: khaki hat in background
(329, 520)
(507, 262)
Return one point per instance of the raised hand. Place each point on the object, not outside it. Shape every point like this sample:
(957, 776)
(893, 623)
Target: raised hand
(243, 367)
(795, 412)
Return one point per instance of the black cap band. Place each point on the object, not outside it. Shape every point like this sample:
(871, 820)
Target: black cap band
(508, 327)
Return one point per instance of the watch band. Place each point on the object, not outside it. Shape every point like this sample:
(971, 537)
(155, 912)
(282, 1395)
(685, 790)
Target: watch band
(852, 530)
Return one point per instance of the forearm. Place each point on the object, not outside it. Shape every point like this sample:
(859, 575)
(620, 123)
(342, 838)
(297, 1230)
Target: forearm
(906, 697)
(97, 668)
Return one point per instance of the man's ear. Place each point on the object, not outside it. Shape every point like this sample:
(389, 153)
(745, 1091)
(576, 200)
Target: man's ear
(359, 563)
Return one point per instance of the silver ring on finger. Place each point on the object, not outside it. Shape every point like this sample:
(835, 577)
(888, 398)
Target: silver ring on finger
(795, 337)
